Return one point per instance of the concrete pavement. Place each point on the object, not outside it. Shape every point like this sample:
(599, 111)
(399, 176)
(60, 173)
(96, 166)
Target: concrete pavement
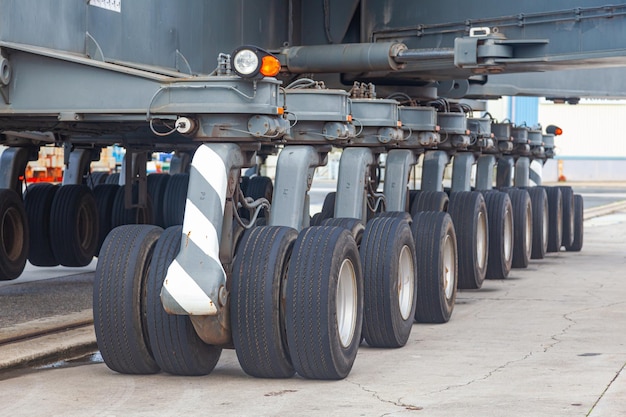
(547, 341)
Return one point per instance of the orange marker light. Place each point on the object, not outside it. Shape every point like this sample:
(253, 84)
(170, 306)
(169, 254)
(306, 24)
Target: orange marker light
(554, 130)
(270, 66)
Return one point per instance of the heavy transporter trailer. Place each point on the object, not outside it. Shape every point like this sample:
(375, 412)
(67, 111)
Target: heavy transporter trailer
(239, 262)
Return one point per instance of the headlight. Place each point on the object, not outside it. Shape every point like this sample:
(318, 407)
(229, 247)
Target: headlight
(245, 62)
(253, 62)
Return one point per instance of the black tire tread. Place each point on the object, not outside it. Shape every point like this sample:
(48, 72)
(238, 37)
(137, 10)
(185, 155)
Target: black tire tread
(117, 307)
(429, 231)
(175, 345)
(317, 255)
(383, 240)
(256, 317)
(38, 203)
(464, 209)
(13, 258)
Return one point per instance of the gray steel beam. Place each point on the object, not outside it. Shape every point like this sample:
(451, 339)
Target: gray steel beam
(462, 171)
(484, 172)
(397, 169)
(435, 163)
(13, 163)
(522, 172)
(504, 171)
(350, 201)
(294, 174)
(75, 94)
(77, 167)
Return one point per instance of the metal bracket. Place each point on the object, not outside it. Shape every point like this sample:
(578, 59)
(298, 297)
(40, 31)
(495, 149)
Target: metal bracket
(92, 48)
(135, 172)
(182, 64)
(492, 52)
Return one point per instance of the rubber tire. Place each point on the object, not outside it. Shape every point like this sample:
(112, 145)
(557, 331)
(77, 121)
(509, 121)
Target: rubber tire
(468, 210)
(13, 235)
(120, 215)
(96, 178)
(579, 209)
(176, 347)
(522, 227)
(118, 299)
(555, 228)
(501, 234)
(74, 225)
(430, 201)
(157, 183)
(105, 197)
(539, 200)
(257, 316)
(354, 226)
(381, 249)
(113, 178)
(260, 187)
(413, 195)
(313, 335)
(243, 184)
(567, 198)
(432, 230)
(175, 199)
(38, 202)
(328, 210)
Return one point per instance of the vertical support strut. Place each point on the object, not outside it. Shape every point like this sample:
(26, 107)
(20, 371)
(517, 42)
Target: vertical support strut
(397, 171)
(536, 173)
(462, 171)
(522, 172)
(134, 170)
(351, 191)
(77, 167)
(12, 165)
(435, 163)
(504, 172)
(484, 172)
(179, 163)
(294, 172)
(196, 278)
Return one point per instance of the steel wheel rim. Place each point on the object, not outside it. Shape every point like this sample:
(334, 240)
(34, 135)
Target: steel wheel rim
(85, 226)
(346, 303)
(12, 232)
(546, 220)
(528, 230)
(571, 219)
(508, 234)
(481, 241)
(406, 282)
(449, 266)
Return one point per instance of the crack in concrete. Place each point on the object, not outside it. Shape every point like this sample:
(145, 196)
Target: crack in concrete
(484, 377)
(555, 337)
(606, 389)
(397, 403)
(573, 322)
